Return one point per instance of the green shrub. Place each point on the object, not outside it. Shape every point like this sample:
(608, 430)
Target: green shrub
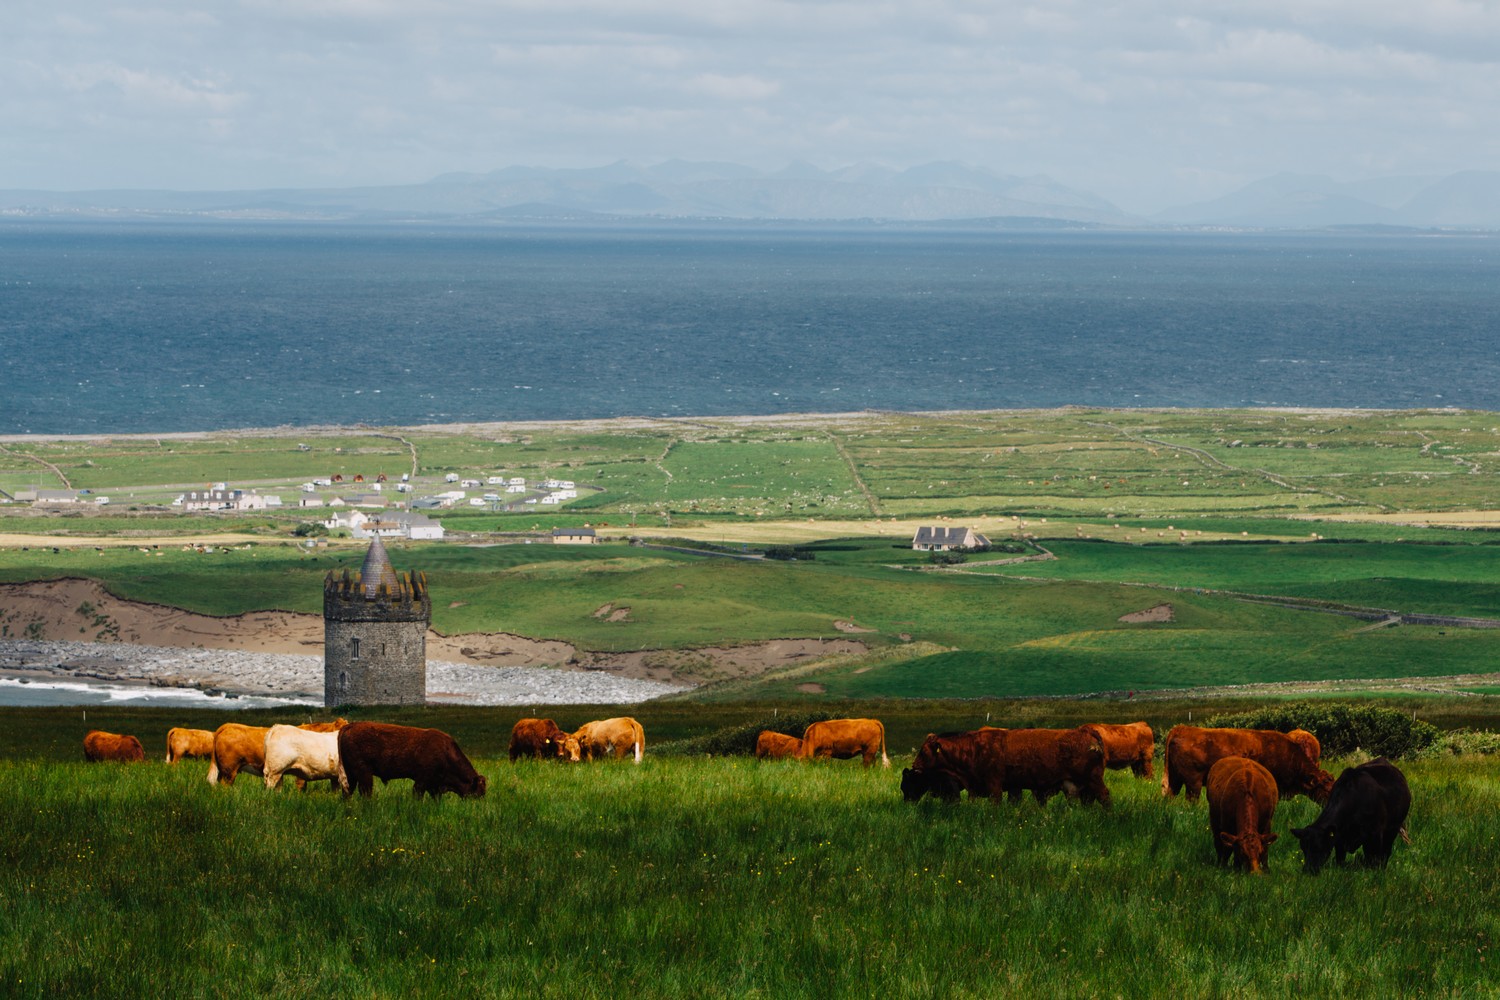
(1341, 728)
(1465, 741)
(740, 740)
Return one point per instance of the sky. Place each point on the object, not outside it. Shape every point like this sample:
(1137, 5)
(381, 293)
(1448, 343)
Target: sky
(1148, 103)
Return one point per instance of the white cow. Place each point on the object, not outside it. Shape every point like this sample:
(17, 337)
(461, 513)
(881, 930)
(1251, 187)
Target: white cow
(305, 755)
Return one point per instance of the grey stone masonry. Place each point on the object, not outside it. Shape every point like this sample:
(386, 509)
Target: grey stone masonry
(375, 635)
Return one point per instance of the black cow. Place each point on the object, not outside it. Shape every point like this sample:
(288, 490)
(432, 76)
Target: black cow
(1366, 809)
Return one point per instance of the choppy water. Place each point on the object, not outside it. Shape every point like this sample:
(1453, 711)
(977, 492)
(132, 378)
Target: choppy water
(133, 327)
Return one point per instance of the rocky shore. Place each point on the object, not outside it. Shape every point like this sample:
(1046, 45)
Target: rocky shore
(296, 676)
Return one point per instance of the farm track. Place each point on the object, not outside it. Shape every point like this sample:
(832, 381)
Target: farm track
(870, 498)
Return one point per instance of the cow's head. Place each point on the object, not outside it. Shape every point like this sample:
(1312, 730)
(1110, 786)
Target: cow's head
(476, 788)
(566, 747)
(1320, 786)
(1317, 845)
(1251, 849)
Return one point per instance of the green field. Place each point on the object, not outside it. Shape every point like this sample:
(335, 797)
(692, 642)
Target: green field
(713, 878)
(1050, 462)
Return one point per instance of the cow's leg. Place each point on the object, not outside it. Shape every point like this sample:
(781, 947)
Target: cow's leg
(1191, 787)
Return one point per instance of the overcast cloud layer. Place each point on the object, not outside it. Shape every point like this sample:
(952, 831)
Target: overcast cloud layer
(1146, 102)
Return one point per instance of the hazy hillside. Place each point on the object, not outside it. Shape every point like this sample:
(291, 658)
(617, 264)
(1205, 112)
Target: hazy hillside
(676, 189)
(1469, 200)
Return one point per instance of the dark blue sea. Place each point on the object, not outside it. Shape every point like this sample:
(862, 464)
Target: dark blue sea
(157, 327)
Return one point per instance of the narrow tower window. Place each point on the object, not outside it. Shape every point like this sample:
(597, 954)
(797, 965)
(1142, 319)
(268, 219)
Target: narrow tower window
(354, 648)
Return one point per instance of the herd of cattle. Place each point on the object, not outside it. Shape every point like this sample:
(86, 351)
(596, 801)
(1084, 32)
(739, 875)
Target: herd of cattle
(1245, 771)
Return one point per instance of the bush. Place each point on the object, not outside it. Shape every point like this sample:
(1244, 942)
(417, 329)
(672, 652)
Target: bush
(788, 553)
(1465, 741)
(740, 740)
(1342, 728)
(310, 529)
(950, 558)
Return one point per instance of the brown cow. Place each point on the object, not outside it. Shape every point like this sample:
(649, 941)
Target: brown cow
(243, 748)
(188, 743)
(1132, 745)
(845, 738)
(1241, 801)
(429, 757)
(542, 739)
(1292, 759)
(988, 762)
(617, 736)
(101, 746)
(776, 746)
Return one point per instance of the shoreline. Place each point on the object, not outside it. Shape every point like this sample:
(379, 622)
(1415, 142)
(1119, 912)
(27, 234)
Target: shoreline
(628, 422)
(238, 674)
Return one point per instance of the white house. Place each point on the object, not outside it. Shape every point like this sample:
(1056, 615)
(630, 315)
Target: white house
(573, 536)
(222, 498)
(940, 539)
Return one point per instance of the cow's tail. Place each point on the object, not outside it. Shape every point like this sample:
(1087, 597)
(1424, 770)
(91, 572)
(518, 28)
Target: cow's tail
(884, 760)
(343, 778)
(1405, 837)
(640, 742)
(213, 770)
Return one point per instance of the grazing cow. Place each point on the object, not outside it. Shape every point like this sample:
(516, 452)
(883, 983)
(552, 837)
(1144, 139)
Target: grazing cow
(1132, 745)
(243, 748)
(1367, 808)
(188, 743)
(990, 762)
(101, 746)
(1241, 801)
(429, 757)
(1292, 758)
(617, 736)
(306, 755)
(542, 739)
(776, 745)
(845, 738)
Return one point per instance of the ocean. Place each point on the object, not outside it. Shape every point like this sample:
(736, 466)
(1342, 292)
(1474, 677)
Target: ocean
(136, 327)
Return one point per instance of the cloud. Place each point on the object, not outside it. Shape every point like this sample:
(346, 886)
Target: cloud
(1133, 97)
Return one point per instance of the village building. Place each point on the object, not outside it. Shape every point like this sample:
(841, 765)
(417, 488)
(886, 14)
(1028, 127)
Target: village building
(939, 539)
(48, 498)
(221, 498)
(573, 536)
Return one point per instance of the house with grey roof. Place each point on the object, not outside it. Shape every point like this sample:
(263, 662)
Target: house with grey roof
(939, 539)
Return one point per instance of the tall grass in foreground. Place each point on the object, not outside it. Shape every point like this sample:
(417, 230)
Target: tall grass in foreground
(713, 878)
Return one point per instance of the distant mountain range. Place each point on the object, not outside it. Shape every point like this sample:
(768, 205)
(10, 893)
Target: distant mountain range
(1464, 200)
(932, 193)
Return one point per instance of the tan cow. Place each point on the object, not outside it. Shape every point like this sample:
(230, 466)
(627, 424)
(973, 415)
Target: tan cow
(617, 736)
(776, 746)
(188, 743)
(1132, 745)
(845, 738)
(307, 756)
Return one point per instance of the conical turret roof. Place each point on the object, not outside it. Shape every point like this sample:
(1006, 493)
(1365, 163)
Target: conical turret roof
(377, 570)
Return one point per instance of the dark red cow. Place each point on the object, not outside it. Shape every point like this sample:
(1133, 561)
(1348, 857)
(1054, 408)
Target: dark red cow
(1242, 799)
(1367, 809)
(988, 762)
(1292, 758)
(429, 757)
(101, 746)
(541, 739)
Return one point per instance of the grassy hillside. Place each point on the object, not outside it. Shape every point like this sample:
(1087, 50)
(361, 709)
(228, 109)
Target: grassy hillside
(713, 878)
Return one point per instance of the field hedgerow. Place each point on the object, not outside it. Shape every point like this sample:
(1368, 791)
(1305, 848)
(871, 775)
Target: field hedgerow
(713, 878)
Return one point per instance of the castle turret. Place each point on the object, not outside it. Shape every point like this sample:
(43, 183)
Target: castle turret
(375, 634)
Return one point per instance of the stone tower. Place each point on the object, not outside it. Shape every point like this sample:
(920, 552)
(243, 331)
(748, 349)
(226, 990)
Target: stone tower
(375, 634)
